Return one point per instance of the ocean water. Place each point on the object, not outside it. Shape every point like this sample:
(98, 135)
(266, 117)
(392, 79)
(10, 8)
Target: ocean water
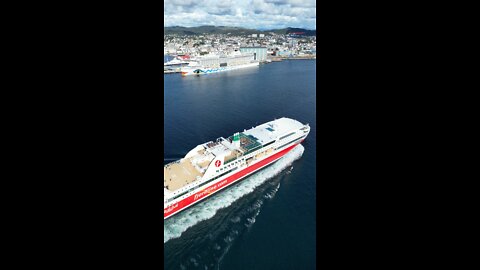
(267, 221)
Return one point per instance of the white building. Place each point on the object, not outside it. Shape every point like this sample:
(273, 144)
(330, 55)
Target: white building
(260, 53)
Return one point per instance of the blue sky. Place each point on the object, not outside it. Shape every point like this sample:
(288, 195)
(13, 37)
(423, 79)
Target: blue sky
(256, 14)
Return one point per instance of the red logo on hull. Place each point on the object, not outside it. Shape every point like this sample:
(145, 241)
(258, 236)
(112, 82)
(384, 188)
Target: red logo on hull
(218, 163)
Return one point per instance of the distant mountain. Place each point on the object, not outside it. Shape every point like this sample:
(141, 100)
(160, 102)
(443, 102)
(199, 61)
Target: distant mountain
(210, 29)
(290, 30)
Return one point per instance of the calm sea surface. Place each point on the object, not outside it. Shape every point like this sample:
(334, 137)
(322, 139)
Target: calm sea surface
(268, 221)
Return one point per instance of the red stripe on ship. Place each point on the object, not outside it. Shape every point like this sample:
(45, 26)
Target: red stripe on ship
(225, 182)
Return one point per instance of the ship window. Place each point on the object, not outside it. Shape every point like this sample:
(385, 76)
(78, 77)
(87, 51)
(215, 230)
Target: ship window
(268, 144)
(290, 142)
(288, 135)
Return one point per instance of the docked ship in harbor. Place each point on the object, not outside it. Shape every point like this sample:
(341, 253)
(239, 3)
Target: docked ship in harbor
(211, 167)
(217, 63)
(175, 64)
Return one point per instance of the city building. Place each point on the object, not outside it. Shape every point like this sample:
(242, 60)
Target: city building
(276, 45)
(259, 53)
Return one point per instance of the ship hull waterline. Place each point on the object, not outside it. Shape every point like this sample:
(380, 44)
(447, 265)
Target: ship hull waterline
(189, 71)
(222, 184)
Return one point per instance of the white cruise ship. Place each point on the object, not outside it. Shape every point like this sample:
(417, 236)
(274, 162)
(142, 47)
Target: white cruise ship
(217, 63)
(175, 63)
(215, 165)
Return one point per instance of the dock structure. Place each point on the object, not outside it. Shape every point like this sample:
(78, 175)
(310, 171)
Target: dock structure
(296, 57)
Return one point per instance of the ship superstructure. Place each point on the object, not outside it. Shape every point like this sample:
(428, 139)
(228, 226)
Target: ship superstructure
(175, 64)
(217, 63)
(212, 166)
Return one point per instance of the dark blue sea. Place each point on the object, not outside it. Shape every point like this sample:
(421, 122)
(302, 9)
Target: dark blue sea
(268, 221)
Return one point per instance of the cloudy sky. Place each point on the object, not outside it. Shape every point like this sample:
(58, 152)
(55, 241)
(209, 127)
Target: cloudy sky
(256, 14)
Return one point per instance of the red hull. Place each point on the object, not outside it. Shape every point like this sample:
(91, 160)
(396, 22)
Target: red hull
(183, 204)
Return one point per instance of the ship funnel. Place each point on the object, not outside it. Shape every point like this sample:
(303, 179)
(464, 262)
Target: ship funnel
(236, 139)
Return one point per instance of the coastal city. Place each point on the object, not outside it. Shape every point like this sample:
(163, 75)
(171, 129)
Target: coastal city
(257, 48)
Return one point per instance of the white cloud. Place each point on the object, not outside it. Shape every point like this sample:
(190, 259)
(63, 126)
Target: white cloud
(293, 3)
(259, 14)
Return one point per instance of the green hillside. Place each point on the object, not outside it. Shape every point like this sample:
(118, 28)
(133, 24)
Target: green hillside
(210, 29)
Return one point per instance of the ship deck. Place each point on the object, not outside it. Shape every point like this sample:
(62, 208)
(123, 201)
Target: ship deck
(178, 174)
(248, 143)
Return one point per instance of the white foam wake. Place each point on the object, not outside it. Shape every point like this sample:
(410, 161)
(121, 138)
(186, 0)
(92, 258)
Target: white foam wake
(176, 225)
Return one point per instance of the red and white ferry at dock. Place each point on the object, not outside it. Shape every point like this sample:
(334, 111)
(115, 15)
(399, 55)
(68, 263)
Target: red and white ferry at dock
(213, 166)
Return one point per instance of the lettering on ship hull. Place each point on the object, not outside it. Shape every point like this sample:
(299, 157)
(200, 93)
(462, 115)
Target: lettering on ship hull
(170, 208)
(209, 190)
